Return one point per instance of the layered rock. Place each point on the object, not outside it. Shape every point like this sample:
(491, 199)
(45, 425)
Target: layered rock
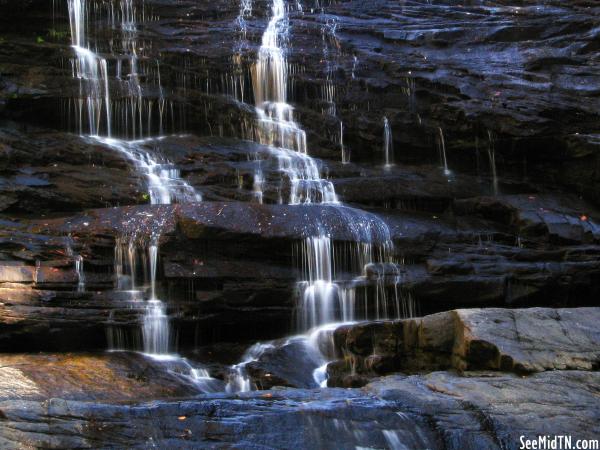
(101, 377)
(437, 411)
(488, 135)
(426, 70)
(518, 341)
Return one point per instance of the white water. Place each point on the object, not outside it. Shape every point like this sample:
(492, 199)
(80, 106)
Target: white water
(238, 380)
(318, 290)
(323, 302)
(388, 144)
(442, 148)
(92, 72)
(317, 345)
(156, 336)
(244, 15)
(276, 126)
(345, 156)
(156, 333)
(165, 185)
(80, 274)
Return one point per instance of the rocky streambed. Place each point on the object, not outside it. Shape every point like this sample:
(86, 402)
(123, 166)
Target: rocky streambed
(272, 224)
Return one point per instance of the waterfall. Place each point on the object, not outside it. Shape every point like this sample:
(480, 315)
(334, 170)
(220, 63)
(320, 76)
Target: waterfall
(164, 183)
(129, 265)
(323, 301)
(238, 380)
(80, 274)
(345, 156)
(91, 71)
(492, 158)
(318, 290)
(442, 148)
(276, 126)
(245, 13)
(163, 178)
(388, 144)
(156, 322)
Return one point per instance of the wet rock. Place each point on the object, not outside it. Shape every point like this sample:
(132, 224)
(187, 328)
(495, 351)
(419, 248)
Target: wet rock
(439, 410)
(47, 172)
(425, 70)
(521, 341)
(494, 410)
(103, 377)
(559, 218)
(288, 363)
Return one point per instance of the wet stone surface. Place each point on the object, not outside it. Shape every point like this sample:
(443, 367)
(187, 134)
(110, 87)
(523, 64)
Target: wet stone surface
(479, 239)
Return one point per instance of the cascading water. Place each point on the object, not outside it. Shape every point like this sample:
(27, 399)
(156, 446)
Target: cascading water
(92, 72)
(345, 156)
(245, 13)
(319, 290)
(442, 148)
(388, 145)
(80, 274)
(156, 322)
(164, 182)
(276, 126)
(323, 302)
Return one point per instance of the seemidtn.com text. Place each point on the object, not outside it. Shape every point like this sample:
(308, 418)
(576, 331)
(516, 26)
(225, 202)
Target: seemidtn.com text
(558, 442)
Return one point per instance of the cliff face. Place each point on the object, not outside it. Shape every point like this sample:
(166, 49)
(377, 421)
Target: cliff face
(523, 76)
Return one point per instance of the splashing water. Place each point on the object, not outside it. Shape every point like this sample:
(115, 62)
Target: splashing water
(165, 185)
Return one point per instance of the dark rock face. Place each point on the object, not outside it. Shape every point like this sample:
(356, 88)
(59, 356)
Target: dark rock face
(47, 173)
(461, 68)
(423, 66)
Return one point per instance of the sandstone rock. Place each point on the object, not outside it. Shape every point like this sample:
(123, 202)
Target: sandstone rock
(519, 340)
(103, 377)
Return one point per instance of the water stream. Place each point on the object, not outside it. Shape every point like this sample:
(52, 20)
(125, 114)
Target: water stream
(388, 144)
(442, 149)
(322, 299)
(341, 282)
(163, 180)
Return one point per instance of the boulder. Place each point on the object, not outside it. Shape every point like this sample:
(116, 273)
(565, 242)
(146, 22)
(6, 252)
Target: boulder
(509, 340)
